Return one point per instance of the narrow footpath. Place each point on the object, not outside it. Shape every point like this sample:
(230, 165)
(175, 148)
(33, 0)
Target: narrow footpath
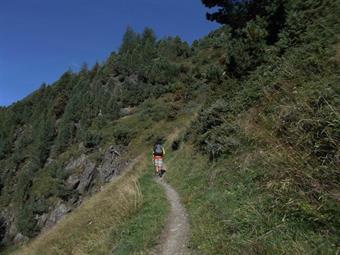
(174, 238)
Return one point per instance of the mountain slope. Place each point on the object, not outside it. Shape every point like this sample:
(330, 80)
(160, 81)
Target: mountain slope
(126, 216)
(257, 168)
(63, 142)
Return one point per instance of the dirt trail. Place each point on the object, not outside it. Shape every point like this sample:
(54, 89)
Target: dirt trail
(174, 239)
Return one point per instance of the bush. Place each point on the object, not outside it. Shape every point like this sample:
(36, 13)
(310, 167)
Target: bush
(214, 74)
(173, 111)
(176, 144)
(154, 110)
(57, 171)
(161, 71)
(91, 140)
(218, 141)
(123, 134)
(214, 132)
(27, 222)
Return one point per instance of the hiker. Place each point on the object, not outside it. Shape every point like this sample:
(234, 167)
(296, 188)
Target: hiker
(157, 158)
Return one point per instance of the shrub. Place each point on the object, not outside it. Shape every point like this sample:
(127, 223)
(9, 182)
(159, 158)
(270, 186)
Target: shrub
(123, 134)
(154, 110)
(27, 222)
(91, 140)
(218, 141)
(176, 144)
(57, 171)
(173, 111)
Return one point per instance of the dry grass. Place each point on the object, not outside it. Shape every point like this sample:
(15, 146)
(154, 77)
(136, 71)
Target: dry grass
(86, 230)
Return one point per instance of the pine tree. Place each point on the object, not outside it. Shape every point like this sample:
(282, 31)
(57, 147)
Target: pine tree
(130, 41)
(237, 14)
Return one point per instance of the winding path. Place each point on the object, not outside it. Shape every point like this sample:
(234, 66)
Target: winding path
(174, 238)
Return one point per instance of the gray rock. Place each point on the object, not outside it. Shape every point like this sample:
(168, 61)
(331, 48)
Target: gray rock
(82, 181)
(81, 146)
(42, 220)
(74, 201)
(75, 163)
(86, 177)
(110, 164)
(77, 125)
(8, 228)
(20, 238)
(12, 230)
(72, 181)
(57, 214)
(49, 161)
(126, 111)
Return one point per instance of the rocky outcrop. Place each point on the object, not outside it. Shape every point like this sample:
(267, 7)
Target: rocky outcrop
(72, 181)
(111, 164)
(56, 214)
(127, 111)
(83, 173)
(80, 179)
(75, 163)
(41, 220)
(8, 230)
(20, 238)
(86, 177)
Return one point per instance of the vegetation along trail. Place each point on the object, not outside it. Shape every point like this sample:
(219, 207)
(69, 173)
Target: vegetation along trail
(175, 234)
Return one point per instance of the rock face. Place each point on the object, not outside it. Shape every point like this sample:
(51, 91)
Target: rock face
(58, 212)
(7, 227)
(86, 177)
(83, 173)
(72, 181)
(42, 220)
(83, 180)
(20, 238)
(110, 165)
(75, 163)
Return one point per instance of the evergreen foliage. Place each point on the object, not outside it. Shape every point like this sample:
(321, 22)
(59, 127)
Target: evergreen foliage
(274, 59)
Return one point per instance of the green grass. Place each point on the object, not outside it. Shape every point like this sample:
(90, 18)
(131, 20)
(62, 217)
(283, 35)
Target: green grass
(142, 231)
(233, 212)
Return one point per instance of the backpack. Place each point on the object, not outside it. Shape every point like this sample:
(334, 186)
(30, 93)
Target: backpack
(158, 150)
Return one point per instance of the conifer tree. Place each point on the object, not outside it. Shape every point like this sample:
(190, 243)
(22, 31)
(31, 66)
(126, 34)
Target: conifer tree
(130, 41)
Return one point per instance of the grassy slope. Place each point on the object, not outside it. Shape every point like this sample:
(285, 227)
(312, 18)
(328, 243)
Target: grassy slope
(247, 202)
(231, 212)
(96, 226)
(232, 203)
(141, 231)
(121, 218)
(264, 197)
(251, 201)
(269, 195)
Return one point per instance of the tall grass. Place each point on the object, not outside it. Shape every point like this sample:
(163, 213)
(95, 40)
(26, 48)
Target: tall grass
(141, 232)
(235, 209)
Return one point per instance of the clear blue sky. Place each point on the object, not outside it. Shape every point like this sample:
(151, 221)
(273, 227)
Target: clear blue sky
(41, 39)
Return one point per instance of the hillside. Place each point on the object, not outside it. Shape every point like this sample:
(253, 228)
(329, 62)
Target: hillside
(250, 118)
